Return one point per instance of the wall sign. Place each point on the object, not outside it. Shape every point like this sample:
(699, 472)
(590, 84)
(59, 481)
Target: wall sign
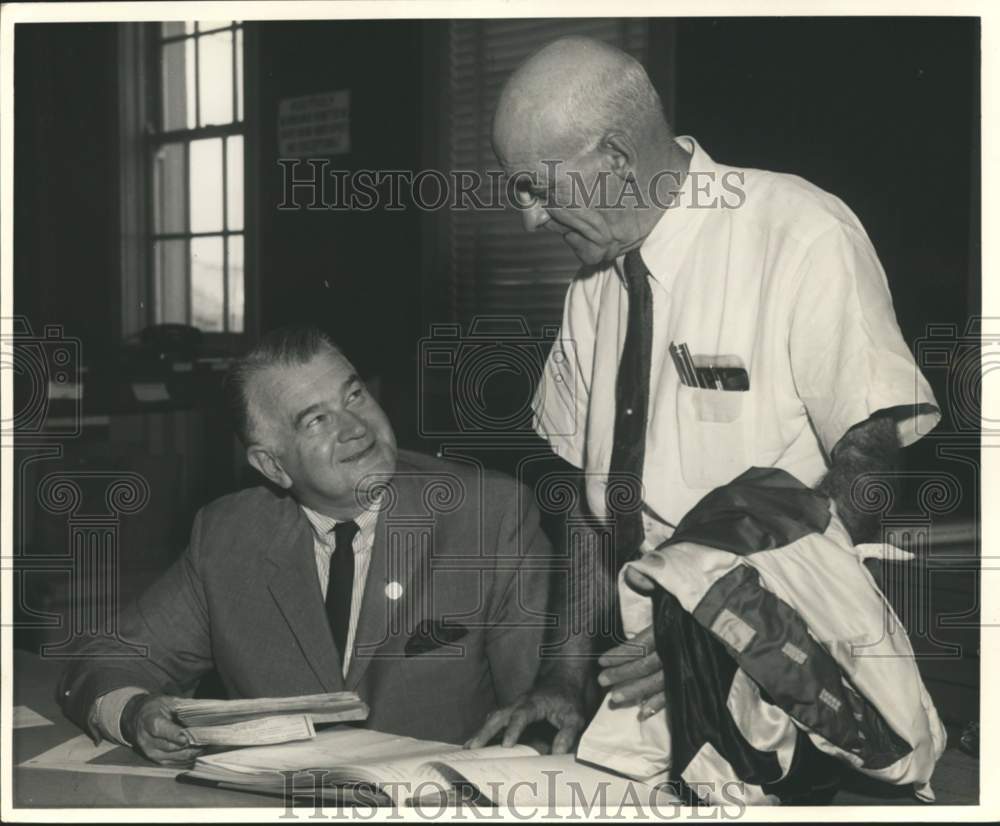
(315, 125)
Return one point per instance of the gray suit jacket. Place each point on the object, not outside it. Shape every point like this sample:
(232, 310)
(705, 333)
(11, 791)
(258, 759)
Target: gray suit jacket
(463, 638)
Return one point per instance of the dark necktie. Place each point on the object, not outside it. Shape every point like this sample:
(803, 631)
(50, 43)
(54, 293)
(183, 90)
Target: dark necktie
(628, 454)
(340, 585)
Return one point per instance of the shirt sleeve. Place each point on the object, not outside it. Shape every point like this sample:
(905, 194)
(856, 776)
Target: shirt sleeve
(563, 393)
(107, 713)
(848, 356)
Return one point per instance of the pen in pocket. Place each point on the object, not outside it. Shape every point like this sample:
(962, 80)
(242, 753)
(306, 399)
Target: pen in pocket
(684, 365)
(711, 372)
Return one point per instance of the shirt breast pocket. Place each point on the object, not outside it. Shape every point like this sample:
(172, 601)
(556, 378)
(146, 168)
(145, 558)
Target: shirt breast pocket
(713, 430)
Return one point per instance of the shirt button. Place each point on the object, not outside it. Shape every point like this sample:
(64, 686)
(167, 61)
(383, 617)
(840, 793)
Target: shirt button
(628, 411)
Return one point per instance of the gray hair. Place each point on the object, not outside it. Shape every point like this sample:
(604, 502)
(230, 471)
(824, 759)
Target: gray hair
(289, 346)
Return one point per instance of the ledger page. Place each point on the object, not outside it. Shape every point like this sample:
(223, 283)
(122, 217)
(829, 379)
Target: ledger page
(553, 780)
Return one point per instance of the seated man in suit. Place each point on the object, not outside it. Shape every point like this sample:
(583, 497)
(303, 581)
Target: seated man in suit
(419, 583)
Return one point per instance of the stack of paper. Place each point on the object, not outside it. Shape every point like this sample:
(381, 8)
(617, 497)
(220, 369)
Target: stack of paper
(265, 720)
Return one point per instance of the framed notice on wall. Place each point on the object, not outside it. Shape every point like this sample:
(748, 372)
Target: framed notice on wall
(315, 125)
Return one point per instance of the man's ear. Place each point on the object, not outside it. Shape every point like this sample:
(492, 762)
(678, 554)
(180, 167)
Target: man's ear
(267, 463)
(620, 153)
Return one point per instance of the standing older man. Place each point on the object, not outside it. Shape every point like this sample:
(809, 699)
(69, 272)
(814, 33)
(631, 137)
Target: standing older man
(768, 283)
(418, 583)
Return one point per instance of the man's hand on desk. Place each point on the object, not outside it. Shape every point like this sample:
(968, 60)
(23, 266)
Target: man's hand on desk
(632, 671)
(557, 706)
(148, 724)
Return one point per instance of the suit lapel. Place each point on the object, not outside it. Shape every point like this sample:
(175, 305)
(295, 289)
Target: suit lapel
(392, 591)
(294, 584)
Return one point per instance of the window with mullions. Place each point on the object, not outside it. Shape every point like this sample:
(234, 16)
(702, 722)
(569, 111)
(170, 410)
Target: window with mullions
(197, 176)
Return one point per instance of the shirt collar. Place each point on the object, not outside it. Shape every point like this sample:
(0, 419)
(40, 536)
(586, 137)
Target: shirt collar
(664, 246)
(323, 525)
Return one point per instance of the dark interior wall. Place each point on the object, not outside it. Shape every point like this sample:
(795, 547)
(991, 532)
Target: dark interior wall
(882, 113)
(356, 273)
(885, 115)
(66, 180)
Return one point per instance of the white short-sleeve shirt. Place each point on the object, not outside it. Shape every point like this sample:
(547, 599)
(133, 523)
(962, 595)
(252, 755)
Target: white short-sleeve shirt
(763, 269)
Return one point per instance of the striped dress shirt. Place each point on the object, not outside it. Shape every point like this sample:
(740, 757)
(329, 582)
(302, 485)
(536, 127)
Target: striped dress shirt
(323, 526)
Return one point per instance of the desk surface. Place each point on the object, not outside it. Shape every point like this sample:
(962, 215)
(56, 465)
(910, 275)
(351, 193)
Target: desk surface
(34, 687)
(956, 780)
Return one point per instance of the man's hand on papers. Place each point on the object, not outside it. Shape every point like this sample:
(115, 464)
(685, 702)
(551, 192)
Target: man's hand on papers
(148, 724)
(633, 670)
(554, 705)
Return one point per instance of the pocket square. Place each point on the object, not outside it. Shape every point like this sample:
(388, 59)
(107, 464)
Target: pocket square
(432, 634)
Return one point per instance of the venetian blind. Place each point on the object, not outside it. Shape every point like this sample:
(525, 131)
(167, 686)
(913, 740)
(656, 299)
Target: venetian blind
(495, 267)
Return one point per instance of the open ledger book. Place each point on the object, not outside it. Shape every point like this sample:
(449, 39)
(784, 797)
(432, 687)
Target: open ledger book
(383, 769)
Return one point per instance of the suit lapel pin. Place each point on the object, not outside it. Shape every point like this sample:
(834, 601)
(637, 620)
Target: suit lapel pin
(393, 590)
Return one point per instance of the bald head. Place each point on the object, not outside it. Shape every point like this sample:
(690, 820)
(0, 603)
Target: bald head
(570, 93)
(579, 129)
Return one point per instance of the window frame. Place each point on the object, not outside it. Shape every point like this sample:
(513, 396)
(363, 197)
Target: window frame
(140, 102)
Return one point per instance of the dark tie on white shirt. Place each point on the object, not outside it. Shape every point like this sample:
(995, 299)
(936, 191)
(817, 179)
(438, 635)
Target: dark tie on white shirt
(631, 406)
(340, 585)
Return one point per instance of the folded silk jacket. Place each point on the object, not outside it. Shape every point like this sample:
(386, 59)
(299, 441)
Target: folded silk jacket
(770, 629)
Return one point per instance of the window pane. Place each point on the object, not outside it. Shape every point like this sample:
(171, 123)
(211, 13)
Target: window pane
(234, 182)
(197, 187)
(206, 283)
(168, 188)
(175, 28)
(239, 74)
(215, 72)
(208, 25)
(205, 177)
(170, 282)
(235, 321)
(178, 85)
